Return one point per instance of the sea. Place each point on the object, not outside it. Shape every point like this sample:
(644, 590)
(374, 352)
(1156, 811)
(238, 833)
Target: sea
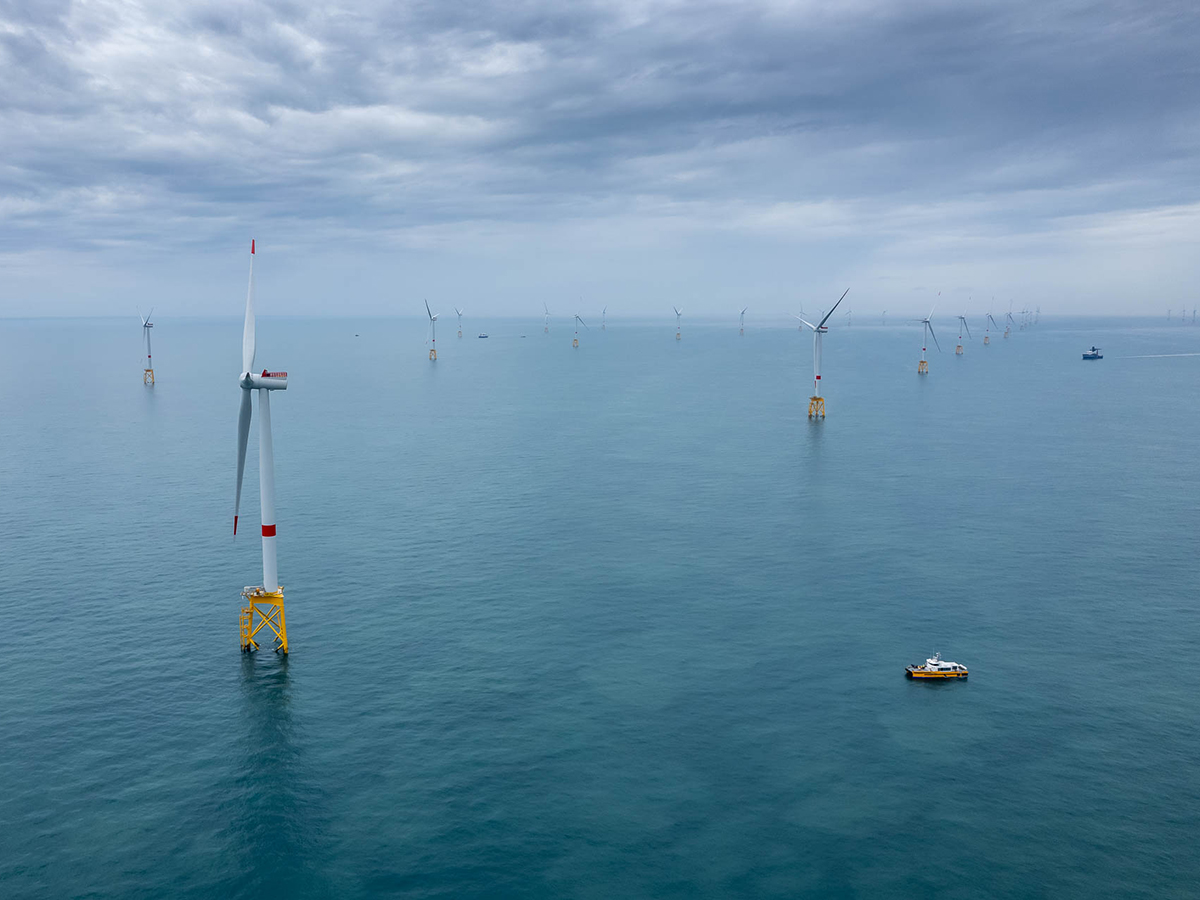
(615, 621)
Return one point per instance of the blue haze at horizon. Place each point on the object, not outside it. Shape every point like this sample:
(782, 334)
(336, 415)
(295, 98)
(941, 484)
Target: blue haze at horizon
(609, 622)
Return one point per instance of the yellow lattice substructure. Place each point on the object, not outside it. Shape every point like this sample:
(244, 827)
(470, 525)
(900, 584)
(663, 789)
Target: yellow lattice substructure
(148, 376)
(433, 353)
(263, 609)
(816, 407)
(922, 368)
(986, 339)
(958, 350)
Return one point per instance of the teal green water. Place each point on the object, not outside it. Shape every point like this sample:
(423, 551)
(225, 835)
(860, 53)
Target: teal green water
(608, 622)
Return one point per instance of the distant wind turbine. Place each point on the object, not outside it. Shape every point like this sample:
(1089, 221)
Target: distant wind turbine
(432, 331)
(546, 328)
(603, 318)
(816, 403)
(678, 330)
(459, 311)
(962, 323)
(148, 373)
(987, 339)
(742, 320)
(578, 322)
(923, 366)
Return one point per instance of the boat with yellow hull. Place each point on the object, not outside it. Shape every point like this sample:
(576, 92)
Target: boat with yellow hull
(936, 667)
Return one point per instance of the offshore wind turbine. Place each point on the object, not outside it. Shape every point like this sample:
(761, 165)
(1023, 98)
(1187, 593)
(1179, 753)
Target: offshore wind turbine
(546, 328)
(962, 323)
(923, 366)
(742, 320)
(603, 318)
(987, 337)
(816, 403)
(1008, 320)
(432, 331)
(264, 602)
(459, 311)
(678, 331)
(578, 320)
(148, 372)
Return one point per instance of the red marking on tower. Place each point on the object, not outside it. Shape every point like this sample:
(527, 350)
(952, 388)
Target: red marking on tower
(251, 246)
(268, 531)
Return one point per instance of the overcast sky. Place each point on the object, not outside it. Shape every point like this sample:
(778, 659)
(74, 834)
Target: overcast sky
(634, 154)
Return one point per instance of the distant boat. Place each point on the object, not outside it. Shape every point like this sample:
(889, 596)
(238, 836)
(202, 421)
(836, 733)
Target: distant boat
(1094, 353)
(483, 334)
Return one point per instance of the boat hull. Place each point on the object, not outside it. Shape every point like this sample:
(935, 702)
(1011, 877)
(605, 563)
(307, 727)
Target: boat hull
(917, 673)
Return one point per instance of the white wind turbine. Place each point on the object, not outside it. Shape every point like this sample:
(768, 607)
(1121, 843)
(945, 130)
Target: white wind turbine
(678, 332)
(923, 366)
(603, 318)
(546, 328)
(578, 320)
(742, 320)
(1008, 320)
(816, 403)
(263, 602)
(432, 331)
(148, 372)
(962, 323)
(459, 311)
(987, 338)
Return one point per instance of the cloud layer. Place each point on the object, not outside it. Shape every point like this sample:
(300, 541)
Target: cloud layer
(632, 152)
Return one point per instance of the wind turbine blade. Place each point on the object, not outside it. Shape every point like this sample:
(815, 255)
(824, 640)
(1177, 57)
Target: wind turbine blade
(968, 327)
(243, 437)
(248, 328)
(678, 312)
(835, 306)
(546, 308)
(585, 324)
(934, 336)
(458, 311)
(428, 312)
(744, 308)
(809, 324)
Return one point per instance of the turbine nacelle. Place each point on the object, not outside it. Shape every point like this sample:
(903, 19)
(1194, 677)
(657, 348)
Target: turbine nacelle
(265, 381)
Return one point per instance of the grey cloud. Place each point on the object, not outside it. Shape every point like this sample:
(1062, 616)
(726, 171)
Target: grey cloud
(945, 130)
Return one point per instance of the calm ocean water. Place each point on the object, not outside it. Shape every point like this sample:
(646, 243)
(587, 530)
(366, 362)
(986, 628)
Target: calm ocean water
(608, 622)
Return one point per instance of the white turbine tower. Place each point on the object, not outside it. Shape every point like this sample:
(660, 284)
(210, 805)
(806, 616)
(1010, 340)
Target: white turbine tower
(603, 318)
(148, 372)
(923, 366)
(816, 403)
(263, 602)
(575, 343)
(678, 331)
(432, 332)
(742, 320)
(459, 311)
(546, 328)
(962, 323)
